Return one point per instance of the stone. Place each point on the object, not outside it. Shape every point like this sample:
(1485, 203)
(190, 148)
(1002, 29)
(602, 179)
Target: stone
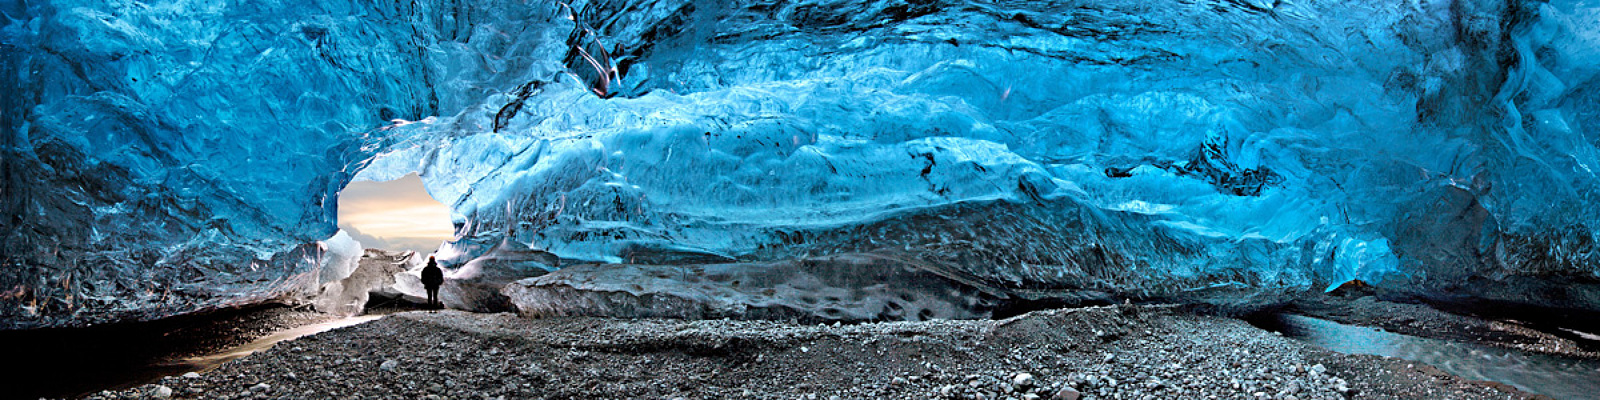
(1066, 394)
(161, 392)
(191, 375)
(1022, 380)
(261, 388)
(388, 365)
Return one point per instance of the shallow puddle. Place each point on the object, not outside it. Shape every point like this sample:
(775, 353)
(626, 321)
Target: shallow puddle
(1557, 377)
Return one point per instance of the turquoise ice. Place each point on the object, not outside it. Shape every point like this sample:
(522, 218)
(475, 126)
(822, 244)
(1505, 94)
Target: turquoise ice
(167, 156)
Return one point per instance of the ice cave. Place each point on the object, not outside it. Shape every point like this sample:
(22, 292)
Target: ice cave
(812, 161)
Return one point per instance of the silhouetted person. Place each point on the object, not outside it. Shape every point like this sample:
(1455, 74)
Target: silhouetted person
(432, 277)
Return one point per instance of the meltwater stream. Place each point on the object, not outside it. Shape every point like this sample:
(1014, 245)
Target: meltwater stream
(212, 361)
(75, 362)
(1557, 377)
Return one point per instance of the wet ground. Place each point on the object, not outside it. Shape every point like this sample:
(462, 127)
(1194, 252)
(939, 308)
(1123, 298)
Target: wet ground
(75, 362)
(211, 361)
(70, 362)
(1564, 333)
(1557, 377)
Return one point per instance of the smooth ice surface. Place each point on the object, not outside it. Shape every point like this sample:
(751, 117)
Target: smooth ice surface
(170, 155)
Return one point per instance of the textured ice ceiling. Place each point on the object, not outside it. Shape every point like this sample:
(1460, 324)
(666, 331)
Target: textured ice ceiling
(167, 156)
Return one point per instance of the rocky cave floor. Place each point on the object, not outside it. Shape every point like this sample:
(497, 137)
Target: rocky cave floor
(1110, 352)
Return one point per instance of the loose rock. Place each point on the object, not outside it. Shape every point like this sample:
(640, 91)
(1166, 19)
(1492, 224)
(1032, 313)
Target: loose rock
(1066, 394)
(1173, 355)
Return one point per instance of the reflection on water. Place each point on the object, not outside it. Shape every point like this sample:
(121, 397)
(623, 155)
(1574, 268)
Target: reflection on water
(1557, 377)
(212, 361)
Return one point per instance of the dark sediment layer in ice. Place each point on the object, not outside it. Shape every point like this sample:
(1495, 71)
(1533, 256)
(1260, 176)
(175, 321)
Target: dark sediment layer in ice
(850, 287)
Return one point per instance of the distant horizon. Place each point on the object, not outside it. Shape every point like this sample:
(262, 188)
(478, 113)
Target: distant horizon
(394, 215)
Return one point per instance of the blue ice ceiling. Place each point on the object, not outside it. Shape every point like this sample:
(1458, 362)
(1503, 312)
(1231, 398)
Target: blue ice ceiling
(167, 156)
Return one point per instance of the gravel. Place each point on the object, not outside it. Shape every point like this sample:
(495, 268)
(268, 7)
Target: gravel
(1152, 352)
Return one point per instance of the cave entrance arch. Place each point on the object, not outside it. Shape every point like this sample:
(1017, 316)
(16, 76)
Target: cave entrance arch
(394, 215)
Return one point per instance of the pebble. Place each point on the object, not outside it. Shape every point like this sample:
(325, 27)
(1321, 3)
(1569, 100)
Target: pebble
(1022, 380)
(191, 375)
(261, 388)
(388, 365)
(1066, 394)
(161, 392)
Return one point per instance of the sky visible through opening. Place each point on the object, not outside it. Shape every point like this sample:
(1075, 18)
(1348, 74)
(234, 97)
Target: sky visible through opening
(394, 215)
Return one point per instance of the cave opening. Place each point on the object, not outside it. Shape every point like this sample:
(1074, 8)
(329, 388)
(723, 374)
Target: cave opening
(394, 215)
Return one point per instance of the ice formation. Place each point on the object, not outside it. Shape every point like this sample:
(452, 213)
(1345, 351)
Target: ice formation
(172, 155)
(337, 293)
(855, 287)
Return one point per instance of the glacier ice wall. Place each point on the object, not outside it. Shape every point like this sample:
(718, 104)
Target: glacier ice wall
(168, 155)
